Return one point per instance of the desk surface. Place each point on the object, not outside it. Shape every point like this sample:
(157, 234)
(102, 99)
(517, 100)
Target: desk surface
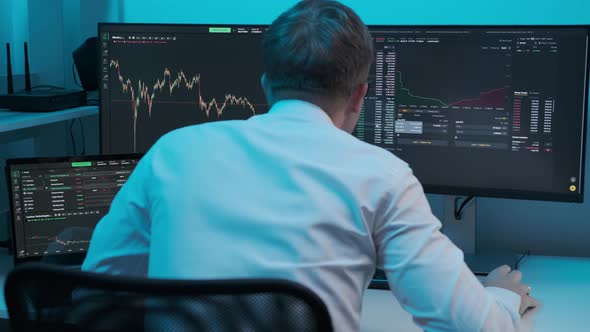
(562, 284)
(10, 120)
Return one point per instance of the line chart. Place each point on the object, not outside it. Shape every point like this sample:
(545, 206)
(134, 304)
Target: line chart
(143, 93)
(54, 239)
(490, 98)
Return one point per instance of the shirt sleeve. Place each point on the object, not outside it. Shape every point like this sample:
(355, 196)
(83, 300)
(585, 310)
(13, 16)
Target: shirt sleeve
(427, 273)
(120, 241)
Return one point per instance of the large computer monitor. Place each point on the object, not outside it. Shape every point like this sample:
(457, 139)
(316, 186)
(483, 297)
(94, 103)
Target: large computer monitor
(475, 110)
(159, 77)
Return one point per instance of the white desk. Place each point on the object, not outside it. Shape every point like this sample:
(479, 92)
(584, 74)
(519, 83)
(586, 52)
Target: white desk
(562, 284)
(10, 120)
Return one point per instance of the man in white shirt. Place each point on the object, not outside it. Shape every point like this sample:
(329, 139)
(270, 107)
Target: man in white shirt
(291, 194)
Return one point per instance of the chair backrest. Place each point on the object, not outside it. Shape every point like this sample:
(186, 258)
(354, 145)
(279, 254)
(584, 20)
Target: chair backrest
(42, 297)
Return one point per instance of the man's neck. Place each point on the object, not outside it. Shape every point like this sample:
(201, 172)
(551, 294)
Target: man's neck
(330, 105)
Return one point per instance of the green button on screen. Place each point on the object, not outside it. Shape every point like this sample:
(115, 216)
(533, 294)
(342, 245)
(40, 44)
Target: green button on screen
(220, 30)
(82, 164)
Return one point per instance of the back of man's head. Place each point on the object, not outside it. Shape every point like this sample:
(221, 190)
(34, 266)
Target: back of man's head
(317, 48)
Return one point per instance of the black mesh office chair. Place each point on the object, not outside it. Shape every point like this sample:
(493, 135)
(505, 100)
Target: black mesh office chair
(43, 297)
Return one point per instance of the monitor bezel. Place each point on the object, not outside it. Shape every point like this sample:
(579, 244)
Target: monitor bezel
(65, 258)
(431, 189)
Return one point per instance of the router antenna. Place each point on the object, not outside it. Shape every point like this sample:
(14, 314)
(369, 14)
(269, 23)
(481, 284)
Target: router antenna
(9, 84)
(27, 71)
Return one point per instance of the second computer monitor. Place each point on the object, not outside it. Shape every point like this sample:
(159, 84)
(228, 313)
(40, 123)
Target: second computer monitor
(57, 202)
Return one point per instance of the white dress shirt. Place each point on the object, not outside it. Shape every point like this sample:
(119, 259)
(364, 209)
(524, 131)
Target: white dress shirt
(288, 195)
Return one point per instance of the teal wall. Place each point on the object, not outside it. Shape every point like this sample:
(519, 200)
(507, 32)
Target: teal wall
(13, 29)
(372, 12)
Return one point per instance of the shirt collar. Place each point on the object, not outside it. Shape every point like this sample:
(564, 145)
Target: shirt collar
(299, 110)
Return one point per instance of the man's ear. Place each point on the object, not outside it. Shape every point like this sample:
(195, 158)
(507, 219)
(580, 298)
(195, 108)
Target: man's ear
(266, 88)
(358, 97)
(263, 81)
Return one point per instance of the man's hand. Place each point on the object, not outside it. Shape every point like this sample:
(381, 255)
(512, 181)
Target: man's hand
(502, 277)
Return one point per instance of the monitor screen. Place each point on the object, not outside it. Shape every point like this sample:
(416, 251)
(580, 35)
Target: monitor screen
(57, 202)
(488, 111)
(156, 78)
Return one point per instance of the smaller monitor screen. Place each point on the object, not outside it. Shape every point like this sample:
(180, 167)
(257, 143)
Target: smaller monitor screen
(56, 203)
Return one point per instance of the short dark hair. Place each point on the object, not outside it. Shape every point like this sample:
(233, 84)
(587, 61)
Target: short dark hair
(319, 47)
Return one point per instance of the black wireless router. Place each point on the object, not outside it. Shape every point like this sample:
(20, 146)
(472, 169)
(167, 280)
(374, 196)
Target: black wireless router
(37, 100)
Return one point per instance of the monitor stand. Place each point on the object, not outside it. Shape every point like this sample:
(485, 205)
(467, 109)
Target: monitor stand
(459, 224)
